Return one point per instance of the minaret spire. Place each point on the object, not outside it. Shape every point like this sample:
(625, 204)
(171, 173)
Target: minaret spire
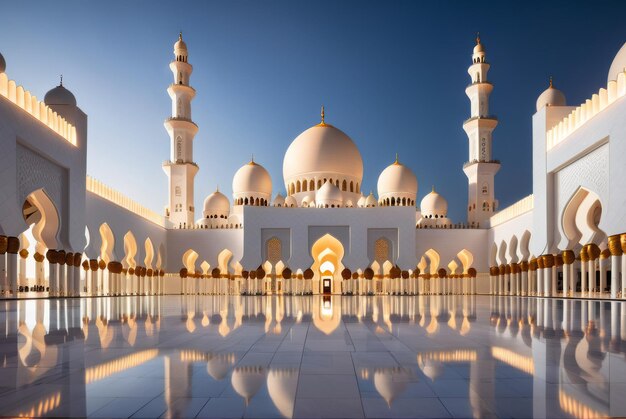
(480, 168)
(180, 168)
(322, 115)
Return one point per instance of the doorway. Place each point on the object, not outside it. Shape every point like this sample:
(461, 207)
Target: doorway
(326, 284)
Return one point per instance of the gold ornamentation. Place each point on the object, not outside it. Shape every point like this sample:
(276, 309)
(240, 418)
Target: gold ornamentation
(548, 261)
(615, 246)
(593, 251)
(13, 245)
(584, 257)
(569, 257)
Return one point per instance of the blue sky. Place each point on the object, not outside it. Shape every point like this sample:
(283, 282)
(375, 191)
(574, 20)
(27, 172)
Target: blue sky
(391, 75)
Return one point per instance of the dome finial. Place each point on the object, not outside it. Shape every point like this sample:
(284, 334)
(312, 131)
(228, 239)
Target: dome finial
(322, 114)
(61, 84)
(180, 35)
(477, 38)
(433, 188)
(551, 86)
(396, 162)
(217, 188)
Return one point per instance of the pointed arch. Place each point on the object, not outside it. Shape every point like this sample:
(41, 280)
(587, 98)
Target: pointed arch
(434, 259)
(189, 260)
(107, 241)
(502, 253)
(223, 259)
(130, 249)
(149, 253)
(581, 218)
(512, 248)
(39, 209)
(467, 258)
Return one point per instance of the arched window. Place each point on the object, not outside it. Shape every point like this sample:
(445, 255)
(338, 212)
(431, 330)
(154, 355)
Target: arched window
(393, 201)
(179, 148)
(351, 186)
(274, 250)
(312, 185)
(298, 186)
(403, 201)
(319, 183)
(357, 188)
(381, 250)
(305, 185)
(344, 186)
(257, 202)
(246, 201)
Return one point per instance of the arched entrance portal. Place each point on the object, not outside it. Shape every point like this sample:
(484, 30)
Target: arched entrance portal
(327, 253)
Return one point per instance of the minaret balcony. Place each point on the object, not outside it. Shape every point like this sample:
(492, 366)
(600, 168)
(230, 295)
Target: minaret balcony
(478, 83)
(469, 163)
(178, 122)
(491, 118)
(178, 162)
(180, 86)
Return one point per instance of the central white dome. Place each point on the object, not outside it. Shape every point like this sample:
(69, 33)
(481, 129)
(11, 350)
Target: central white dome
(322, 151)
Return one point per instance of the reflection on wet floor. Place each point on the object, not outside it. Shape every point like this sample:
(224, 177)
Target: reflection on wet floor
(229, 356)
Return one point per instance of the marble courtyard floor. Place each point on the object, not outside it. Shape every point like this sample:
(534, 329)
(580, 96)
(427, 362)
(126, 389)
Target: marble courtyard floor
(227, 356)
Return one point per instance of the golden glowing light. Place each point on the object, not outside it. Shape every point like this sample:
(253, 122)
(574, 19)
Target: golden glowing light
(521, 362)
(121, 364)
(42, 407)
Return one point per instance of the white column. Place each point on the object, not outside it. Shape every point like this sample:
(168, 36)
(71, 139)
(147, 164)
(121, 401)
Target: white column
(524, 290)
(12, 273)
(591, 272)
(4, 286)
(53, 278)
(604, 262)
(76, 282)
(539, 273)
(69, 279)
(583, 275)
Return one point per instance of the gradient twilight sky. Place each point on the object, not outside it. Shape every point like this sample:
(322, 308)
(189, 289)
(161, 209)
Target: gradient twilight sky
(391, 75)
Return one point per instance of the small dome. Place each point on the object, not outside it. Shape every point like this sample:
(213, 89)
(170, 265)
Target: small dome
(279, 201)
(328, 195)
(370, 201)
(434, 204)
(550, 97)
(361, 201)
(216, 203)
(397, 179)
(3, 64)
(247, 381)
(252, 178)
(180, 44)
(307, 200)
(618, 65)
(59, 96)
(479, 49)
(290, 202)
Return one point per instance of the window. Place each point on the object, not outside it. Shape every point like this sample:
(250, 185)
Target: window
(485, 189)
(179, 148)
(177, 191)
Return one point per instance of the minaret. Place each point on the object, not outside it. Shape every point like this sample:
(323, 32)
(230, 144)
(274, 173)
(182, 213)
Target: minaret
(480, 168)
(180, 168)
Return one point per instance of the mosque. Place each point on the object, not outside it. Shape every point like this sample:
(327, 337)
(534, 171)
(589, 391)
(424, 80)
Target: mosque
(64, 233)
